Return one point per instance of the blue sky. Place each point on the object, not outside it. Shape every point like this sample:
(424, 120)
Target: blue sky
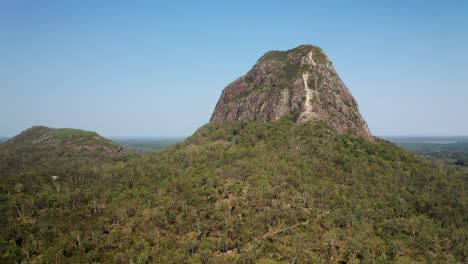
(157, 68)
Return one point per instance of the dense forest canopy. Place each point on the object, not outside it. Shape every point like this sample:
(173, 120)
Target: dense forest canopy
(274, 192)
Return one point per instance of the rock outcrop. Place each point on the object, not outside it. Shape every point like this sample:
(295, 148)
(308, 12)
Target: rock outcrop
(302, 82)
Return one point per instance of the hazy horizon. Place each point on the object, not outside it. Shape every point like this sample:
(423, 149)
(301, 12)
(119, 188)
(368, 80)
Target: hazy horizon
(158, 68)
(399, 138)
(385, 136)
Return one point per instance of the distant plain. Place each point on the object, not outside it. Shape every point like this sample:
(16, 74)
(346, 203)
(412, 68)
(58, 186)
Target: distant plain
(146, 144)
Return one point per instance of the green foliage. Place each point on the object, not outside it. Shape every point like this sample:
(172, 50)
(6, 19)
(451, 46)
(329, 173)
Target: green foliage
(274, 55)
(69, 133)
(41, 150)
(275, 192)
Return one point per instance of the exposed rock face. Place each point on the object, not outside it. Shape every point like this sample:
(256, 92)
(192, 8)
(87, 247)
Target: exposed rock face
(302, 82)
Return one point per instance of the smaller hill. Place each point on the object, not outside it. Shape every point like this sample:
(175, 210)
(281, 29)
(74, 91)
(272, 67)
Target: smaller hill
(45, 148)
(76, 140)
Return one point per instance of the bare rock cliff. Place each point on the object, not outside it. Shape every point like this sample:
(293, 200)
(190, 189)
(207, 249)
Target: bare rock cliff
(302, 82)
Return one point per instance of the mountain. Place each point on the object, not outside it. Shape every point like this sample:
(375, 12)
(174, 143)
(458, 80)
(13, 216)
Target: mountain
(249, 187)
(302, 82)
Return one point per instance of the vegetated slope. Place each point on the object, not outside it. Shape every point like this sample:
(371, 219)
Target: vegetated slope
(42, 170)
(248, 192)
(49, 147)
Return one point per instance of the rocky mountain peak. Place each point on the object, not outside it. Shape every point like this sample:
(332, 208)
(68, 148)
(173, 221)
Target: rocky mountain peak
(301, 82)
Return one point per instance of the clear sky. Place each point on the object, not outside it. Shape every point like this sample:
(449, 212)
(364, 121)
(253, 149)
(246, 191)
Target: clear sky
(157, 68)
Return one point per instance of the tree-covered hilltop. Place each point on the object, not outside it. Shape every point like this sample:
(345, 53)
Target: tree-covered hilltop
(243, 193)
(50, 149)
